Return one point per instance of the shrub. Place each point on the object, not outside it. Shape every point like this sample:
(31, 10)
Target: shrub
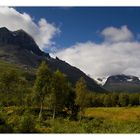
(27, 123)
(4, 126)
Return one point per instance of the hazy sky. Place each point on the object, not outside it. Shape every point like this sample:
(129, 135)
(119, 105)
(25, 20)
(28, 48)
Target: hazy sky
(100, 41)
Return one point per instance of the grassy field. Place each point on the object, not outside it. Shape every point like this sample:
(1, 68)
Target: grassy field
(95, 120)
(115, 113)
(104, 120)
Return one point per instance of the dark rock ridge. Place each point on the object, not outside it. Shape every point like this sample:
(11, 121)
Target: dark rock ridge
(19, 38)
(122, 83)
(19, 48)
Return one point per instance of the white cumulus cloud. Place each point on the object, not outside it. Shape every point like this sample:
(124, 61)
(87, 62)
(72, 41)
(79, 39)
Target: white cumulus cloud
(121, 56)
(42, 32)
(113, 34)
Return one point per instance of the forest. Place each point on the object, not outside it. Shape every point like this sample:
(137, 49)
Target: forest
(48, 103)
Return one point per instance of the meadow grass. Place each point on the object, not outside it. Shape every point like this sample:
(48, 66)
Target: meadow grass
(95, 120)
(114, 113)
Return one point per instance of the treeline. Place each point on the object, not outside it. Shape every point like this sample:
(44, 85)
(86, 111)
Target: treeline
(49, 90)
(52, 91)
(113, 100)
(36, 103)
(15, 88)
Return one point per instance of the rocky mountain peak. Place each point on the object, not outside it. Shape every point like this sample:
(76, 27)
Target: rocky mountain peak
(122, 83)
(4, 30)
(20, 38)
(123, 78)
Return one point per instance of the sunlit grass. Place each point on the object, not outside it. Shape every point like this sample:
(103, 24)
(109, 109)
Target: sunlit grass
(115, 113)
(96, 120)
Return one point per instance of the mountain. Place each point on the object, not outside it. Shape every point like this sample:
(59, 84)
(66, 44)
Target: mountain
(122, 83)
(19, 48)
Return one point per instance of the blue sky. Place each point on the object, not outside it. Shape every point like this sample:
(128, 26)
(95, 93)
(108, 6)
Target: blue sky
(85, 23)
(99, 41)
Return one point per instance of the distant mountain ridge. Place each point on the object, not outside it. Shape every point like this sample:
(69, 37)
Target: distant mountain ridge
(19, 48)
(122, 83)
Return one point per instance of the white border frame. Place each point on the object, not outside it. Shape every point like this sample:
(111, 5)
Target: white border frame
(69, 3)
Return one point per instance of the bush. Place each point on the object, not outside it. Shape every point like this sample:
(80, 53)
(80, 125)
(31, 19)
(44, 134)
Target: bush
(123, 99)
(107, 101)
(4, 126)
(27, 124)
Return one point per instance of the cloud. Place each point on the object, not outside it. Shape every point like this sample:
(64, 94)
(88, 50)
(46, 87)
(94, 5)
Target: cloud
(121, 56)
(42, 32)
(113, 34)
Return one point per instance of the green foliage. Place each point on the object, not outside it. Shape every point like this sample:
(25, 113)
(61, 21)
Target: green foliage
(123, 99)
(4, 126)
(70, 98)
(81, 95)
(24, 120)
(26, 123)
(8, 81)
(134, 99)
(13, 88)
(60, 92)
(51, 90)
(92, 125)
(52, 95)
(114, 99)
(107, 101)
(42, 85)
(93, 100)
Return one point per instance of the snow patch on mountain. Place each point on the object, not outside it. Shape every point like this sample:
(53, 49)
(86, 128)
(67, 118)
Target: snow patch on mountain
(129, 80)
(101, 81)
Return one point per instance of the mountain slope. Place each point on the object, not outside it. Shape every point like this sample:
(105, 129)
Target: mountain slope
(122, 83)
(19, 48)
